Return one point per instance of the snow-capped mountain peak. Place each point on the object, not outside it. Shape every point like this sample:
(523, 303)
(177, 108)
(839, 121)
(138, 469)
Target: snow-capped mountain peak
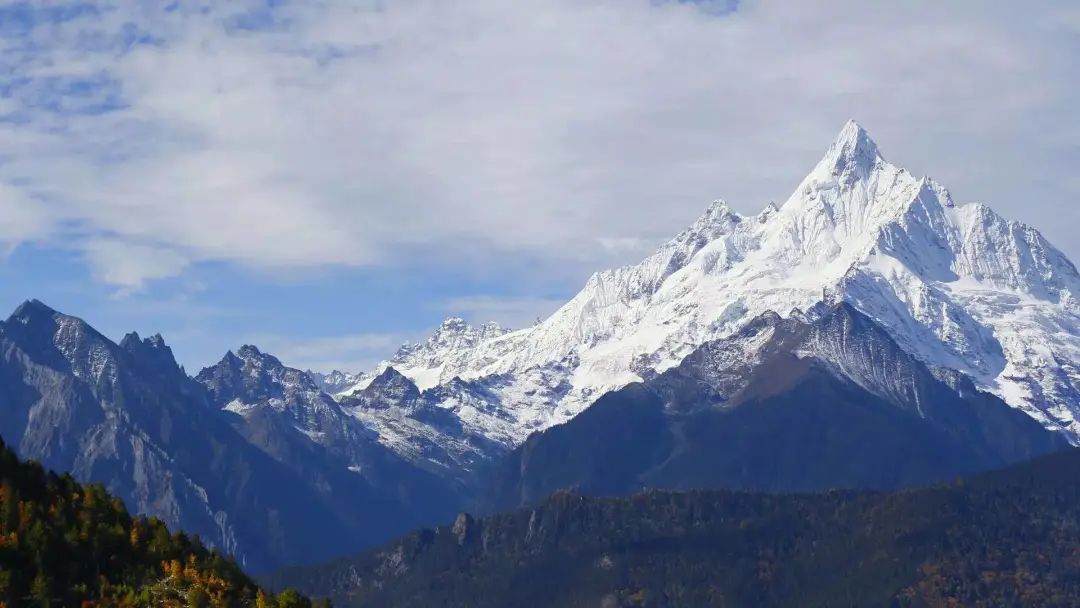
(956, 285)
(250, 378)
(851, 157)
(422, 361)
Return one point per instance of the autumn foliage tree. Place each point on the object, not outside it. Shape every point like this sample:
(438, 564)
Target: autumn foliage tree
(67, 544)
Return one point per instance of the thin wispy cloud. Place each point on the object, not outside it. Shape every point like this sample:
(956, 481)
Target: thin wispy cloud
(354, 352)
(154, 137)
(509, 311)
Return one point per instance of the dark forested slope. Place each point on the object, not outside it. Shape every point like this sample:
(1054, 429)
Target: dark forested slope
(1006, 538)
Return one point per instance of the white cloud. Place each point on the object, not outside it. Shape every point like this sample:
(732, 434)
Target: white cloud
(351, 352)
(20, 218)
(508, 311)
(355, 133)
(129, 265)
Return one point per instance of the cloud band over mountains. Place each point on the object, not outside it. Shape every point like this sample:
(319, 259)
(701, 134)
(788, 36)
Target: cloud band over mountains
(286, 136)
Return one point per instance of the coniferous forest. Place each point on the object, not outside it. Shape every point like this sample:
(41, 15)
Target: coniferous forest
(1005, 538)
(67, 544)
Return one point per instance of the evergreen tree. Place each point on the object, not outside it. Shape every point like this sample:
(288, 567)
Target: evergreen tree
(65, 544)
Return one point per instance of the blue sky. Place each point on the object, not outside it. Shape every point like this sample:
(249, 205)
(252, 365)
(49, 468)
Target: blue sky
(329, 178)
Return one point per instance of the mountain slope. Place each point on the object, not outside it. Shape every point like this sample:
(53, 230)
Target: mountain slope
(427, 428)
(826, 401)
(1006, 538)
(283, 412)
(128, 417)
(62, 543)
(956, 285)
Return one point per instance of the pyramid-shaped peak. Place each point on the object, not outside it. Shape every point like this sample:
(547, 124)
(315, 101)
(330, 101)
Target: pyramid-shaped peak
(853, 152)
(719, 210)
(33, 317)
(717, 219)
(32, 309)
(390, 375)
(391, 379)
(853, 132)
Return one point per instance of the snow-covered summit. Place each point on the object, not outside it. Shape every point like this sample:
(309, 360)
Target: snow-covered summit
(248, 380)
(422, 362)
(956, 285)
(852, 156)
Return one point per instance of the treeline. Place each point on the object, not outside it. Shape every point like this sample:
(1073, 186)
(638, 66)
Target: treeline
(67, 544)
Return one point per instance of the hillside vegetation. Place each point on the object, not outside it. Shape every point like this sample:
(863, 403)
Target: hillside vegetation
(66, 544)
(1007, 538)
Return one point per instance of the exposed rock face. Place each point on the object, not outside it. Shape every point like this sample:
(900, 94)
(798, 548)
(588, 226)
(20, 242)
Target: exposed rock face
(428, 428)
(250, 380)
(284, 413)
(127, 416)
